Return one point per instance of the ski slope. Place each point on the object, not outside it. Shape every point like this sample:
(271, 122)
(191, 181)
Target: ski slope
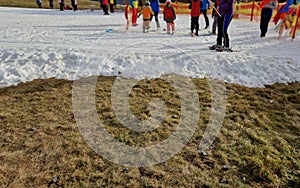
(40, 43)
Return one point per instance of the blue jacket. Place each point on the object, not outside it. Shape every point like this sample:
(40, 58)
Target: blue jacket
(154, 5)
(204, 4)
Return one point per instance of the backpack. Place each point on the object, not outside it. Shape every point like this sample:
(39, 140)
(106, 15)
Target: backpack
(272, 4)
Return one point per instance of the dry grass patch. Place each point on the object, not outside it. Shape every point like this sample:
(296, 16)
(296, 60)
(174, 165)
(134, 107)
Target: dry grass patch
(82, 4)
(258, 144)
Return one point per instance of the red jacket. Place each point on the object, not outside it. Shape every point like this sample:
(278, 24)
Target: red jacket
(105, 2)
(195, 8)
(169, 13)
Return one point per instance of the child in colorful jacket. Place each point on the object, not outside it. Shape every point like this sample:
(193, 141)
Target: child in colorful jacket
(146, 12)
(134, 5)
(169, 17)
(195, 13)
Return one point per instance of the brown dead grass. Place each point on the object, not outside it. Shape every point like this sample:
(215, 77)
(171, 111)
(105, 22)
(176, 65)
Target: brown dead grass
(82, 4)
(259, 139)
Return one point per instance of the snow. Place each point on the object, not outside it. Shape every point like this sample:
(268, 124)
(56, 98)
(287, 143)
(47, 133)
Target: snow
(41, 43)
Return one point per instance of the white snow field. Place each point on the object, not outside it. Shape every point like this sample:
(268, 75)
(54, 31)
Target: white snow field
(40, 43)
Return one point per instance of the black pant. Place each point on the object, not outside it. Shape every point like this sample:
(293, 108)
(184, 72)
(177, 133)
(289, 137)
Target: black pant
(156, 19)
(223, 24)
(195, 24)
(111, 8)
(204, 12)
(74, 5)
(155, 16)
(51, 4)
(266, 14)
(105, 9)
(61, 5)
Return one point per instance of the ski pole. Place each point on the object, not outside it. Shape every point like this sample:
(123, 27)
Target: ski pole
(215, 8)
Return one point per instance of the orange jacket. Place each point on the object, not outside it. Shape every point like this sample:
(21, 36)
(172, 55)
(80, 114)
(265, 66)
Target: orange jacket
(146, 12)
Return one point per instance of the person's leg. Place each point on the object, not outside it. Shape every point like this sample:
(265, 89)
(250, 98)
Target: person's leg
(144, 26)
(111, 8)
(266, 14)
(214, 26)
(147, 25)
(197, 25)
(262, 22)
(267, 20)
(134, 16)
(168, 27)
(156, 20)
(75, 7)
(227, 20)
(192, 24)
(220, 30)
(173, 27)
(39, 3)
(206, 18)
(105, 9)
(51, 4)
(61, 5)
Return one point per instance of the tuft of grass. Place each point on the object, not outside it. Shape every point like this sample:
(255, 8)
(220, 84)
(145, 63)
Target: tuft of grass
(259, 138)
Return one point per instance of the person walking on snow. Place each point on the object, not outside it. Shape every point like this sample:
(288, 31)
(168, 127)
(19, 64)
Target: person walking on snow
(267, 7)
(134, 6)
(104, 5)
(61, 5)
(111, 6)
(146, 12)
(155, 8)
(74, 4)
(169, 17)
(195, 13)
(203, 9)
(226, 13)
